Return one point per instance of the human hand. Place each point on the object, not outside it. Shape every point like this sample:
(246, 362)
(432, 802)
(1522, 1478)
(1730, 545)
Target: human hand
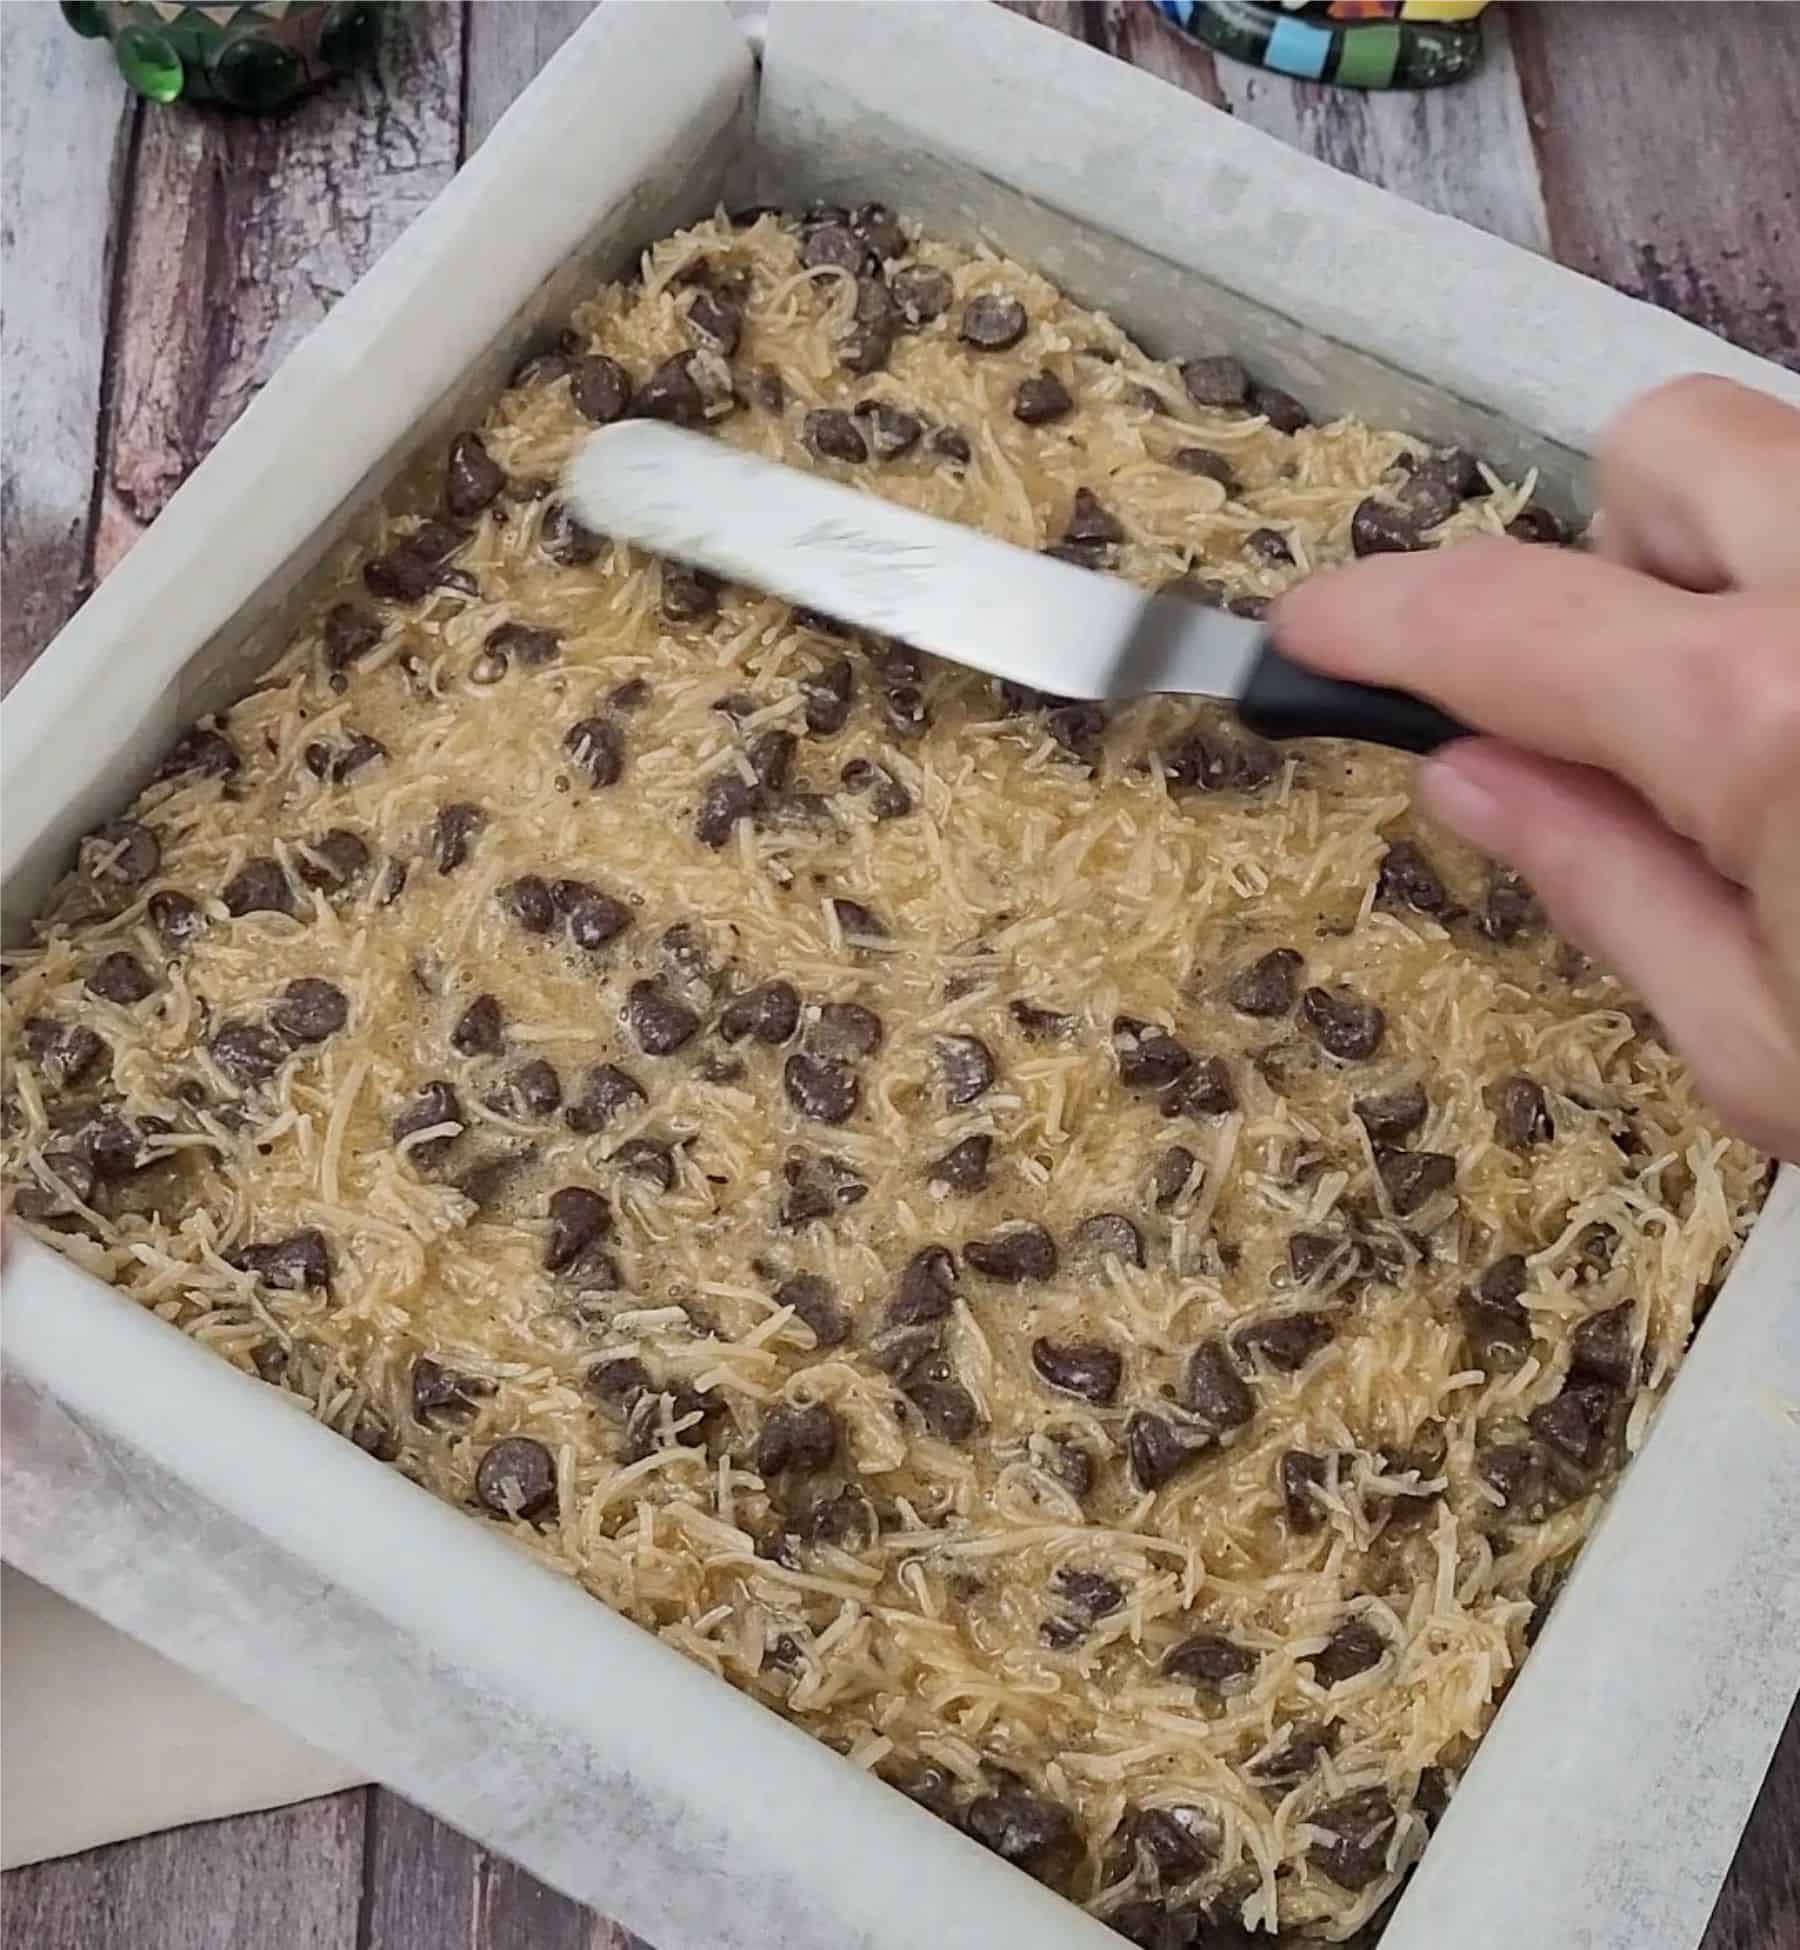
(1639, 712)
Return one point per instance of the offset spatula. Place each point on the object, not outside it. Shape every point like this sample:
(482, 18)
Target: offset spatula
(944, 588)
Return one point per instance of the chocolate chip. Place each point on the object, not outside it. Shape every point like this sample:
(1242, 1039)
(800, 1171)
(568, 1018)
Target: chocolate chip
(1024, 1829)
(1537, 525)
(1521, 1113)
(176, 919)
(605, 1092)
(1204, 1091)
(452, 832)
(301, 1260)
(878, 228)
(1393, 1116)
(203, 750)
(1149, 1058)
(659, 1023)
(486, 1179)
(1604, 1347)
(1511, 1468)
(821, 1088)
(1019, 1254)
(964, 1167)
(1295, 1758)
(818, 1187)
(62, 1054)
(1090, 1595)
(1408, 879)
(579, 1218)
(310, 1010)
(437, 1103)
(1156, 1449)
(517, 1478)
(835, 247)
(1282, 411)
(1214, 1391)
(532, 1090)
(1208, 1659)
(1312, 1253)
(1575, 1422)
(1354, 1646)
(834, 435)
(770, 755)
(1108, 1235)
(725, 800)
(1091, 521)
(1174, 1843)
(927, 1290)
(1358, 1827)
(1041, 1025)
(688, 595)
(479, 1029)
(1207, 464)
(340, 762)
(120, 977)
(716, 319)
(524, 644)
(888, 798)
(1380, 528)
(593, 918)
(922, 293)
(689, 955)
(1170, 1176)
(597, 746)
(1215, 382)
(1412, 1177)
(258, 887)
(967, 1065)
(814, 1302)
(566, 540)
(1301, 1474)
(891, 432)
(1344, 1027)
(945, 1406)
(865, 347)
(333, 860)
(770, 1014)
(600, 388)
(415, 565)
(992, 322)
(828, 695)
(950, 443)
(1270, 545)
(673, 393)
(438, 1390)
(857, 922)
(1041, 399)
(1284, 1341)
(1213, 761)
(528, 900)
(350, 632)
(472, 477)
(618, 1384)
(247, 1052)
(797, 1439)
(1510, 910)
(1083, 1368)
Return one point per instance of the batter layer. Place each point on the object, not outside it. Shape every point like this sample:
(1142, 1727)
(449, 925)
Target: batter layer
(1094, 1264)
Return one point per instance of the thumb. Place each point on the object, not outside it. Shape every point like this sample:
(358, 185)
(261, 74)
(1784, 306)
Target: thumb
(1644, 903)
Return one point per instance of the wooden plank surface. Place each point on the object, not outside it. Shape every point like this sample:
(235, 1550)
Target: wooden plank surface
(66, 131)
(1668, 138)
(237, 235)
(291, 1879)
(244, 231)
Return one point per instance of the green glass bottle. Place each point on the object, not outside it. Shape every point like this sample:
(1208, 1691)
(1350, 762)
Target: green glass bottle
(257, 55)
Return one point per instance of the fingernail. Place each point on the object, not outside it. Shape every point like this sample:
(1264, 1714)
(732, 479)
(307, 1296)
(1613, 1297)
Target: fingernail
(1451, 789)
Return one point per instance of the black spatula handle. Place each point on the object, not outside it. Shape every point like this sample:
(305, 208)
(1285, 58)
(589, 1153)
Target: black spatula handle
(1286, 700)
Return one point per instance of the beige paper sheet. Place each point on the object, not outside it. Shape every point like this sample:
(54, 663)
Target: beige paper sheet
(101, 1738)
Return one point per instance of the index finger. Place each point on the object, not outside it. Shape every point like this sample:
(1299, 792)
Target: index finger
(1551, 649)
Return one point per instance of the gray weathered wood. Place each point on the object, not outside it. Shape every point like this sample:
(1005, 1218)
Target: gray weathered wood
(66, 133)
(290, 1878)
(242, 234)
(1465, 151)
(507, 44)
(1668, 139)
(1759, 1906)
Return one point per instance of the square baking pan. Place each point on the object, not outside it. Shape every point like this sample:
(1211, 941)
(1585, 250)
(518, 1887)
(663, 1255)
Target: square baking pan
(207, 1514)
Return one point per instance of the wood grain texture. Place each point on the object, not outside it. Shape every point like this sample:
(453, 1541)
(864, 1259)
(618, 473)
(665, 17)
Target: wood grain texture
(507, 42)
(65, 127)
(1669, 139)
(1465, 151)
(242, 234)
(290, 1878)
(1759, 1906)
